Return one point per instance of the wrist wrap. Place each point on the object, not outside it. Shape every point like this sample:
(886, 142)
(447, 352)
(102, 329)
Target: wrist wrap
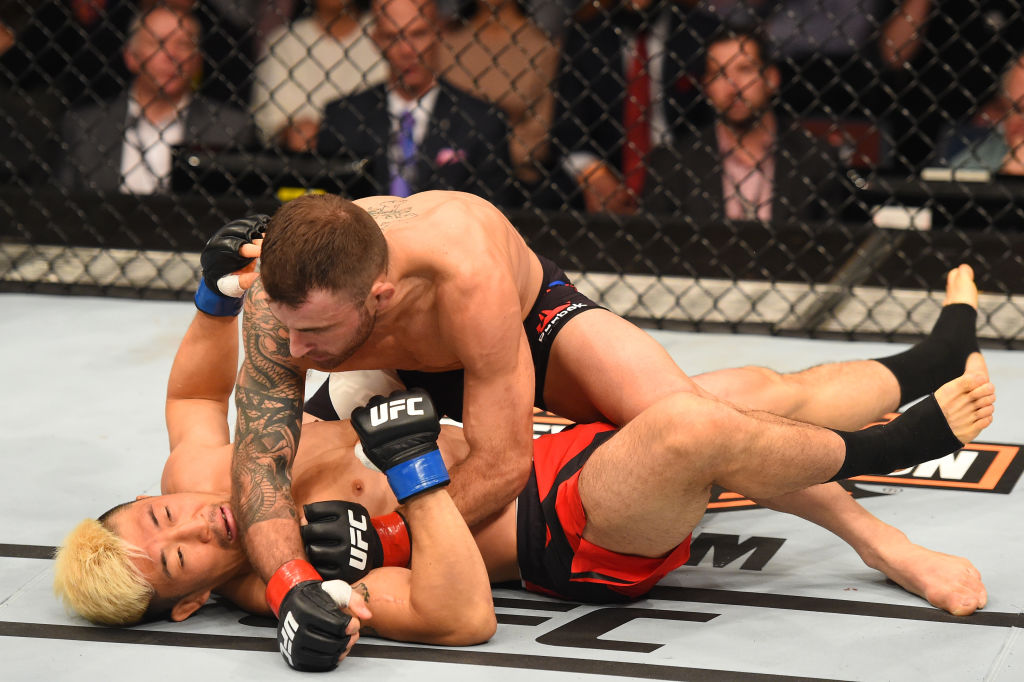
(417, 475)
(285, 578)
(219, 305)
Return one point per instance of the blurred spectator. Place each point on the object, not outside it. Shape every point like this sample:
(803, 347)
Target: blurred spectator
(70, 48)
(749, 164)
(627, 82)
(225, 46)
(75, 46)
(551, 16)
(126, 143)
(994, 140)
(418, 132)
(29, 111)
(499, 55)
(825, 50)
(13, 18)
(943, 58)
(317, 59)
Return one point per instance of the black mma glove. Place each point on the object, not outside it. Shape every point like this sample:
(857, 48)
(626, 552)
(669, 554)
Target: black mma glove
(311, 625)
(344, 543)
(398, 435)
(219, 293)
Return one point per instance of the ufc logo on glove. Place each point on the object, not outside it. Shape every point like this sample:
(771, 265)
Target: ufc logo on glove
(289, 626)
(356, 528)
(385, 412)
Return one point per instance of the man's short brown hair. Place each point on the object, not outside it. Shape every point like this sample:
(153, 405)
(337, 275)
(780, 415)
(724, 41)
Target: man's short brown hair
(321, 241)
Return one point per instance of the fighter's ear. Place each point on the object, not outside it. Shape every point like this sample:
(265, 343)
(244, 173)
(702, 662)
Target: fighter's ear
(382, 292)
(186, 606)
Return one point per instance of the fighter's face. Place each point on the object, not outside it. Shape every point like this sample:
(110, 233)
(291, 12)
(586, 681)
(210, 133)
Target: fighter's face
(327, 329)
(191, 541)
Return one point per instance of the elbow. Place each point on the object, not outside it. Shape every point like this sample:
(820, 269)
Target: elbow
(472, 628)
(519, 471)
(485, 627)
(469, 621)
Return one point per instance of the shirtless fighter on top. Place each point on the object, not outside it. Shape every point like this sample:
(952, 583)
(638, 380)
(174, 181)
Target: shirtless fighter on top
(441, 285)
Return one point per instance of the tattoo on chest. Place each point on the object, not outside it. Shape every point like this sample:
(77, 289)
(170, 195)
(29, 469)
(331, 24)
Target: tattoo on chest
(391, 210)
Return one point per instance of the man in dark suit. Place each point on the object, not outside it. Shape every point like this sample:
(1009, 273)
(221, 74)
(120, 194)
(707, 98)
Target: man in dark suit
(601, 119)
(749, 164)
(125, 144)
(419, 132)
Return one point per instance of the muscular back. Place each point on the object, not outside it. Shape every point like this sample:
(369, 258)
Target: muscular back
(451, 246)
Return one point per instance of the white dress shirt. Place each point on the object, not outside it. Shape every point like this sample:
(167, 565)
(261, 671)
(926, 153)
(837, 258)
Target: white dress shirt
(146, 151)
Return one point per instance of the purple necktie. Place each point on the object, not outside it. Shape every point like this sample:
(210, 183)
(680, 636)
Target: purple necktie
(404, 167)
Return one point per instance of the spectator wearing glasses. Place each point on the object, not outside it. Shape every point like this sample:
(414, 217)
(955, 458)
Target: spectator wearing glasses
(126, 144)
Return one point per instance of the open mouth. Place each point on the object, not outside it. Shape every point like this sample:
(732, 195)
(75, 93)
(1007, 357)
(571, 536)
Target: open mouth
(229, 523)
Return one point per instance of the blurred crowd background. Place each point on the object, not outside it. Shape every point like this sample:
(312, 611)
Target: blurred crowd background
(728, 164)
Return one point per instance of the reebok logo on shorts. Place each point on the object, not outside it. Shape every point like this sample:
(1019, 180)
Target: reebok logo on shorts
(550, 318)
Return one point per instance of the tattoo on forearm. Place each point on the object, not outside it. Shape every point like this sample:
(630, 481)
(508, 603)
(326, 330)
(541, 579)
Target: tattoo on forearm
(391, 210)
(268, 402)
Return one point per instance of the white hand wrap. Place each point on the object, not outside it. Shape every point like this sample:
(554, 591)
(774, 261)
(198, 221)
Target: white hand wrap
(228, 285)
(366, 460)
(339, 590)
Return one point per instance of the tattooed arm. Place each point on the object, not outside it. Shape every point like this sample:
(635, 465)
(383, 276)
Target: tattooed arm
(268, 398)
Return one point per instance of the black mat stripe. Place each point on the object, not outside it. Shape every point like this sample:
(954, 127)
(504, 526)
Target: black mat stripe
(27, 551)
(384, 651)
(571, 665)
(707, 596)
(516, 619)
(81, 633)
(836, 606)
(534, 604)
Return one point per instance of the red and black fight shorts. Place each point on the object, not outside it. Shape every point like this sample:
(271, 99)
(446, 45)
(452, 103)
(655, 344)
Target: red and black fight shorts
(554, 558)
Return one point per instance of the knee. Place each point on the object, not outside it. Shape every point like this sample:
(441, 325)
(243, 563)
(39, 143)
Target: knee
(687, 424)
(766, 379)
(761, 388)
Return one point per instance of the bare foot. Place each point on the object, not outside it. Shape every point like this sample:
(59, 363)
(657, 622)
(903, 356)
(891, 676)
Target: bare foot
(960, 286)
(976, 365)
(948, 582)
(967, 402)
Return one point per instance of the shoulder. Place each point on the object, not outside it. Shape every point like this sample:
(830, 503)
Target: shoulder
(197, 467)
(103, 109)
(210, 117)
(701, 142)
(595, 32)
(464, 105)
(803, 145)
(460, 233)
(462, 212)
(209, 105)
(461, 98)
(438, 218)
(290, 38)
(373, 97)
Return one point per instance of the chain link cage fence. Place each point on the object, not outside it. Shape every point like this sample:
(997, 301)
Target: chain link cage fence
(808, 167)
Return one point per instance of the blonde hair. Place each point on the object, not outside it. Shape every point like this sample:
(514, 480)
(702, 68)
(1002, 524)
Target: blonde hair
(95, 576)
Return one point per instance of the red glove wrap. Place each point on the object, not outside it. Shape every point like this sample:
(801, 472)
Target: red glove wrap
(285, 578)
(394, 538)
